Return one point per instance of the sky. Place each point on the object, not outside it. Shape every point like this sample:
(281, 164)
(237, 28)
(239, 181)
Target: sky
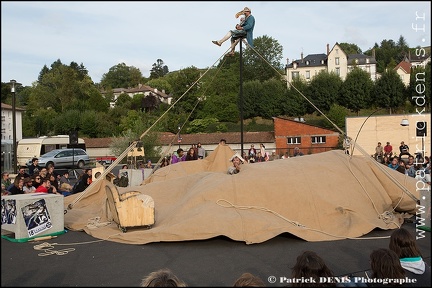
(101, 35)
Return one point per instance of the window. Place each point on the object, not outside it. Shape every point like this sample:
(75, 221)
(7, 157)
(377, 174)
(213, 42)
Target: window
(293, 140)
(307, 74)
(295, 75)
(337, 61)
(337, 71)
(318, 139)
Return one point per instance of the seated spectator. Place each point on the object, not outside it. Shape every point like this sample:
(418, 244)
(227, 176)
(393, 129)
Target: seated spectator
(54, 184)
(401, 168)
(385, 265)
(379, 151)
(394, 164)
(17, 186)
(388, 150)
(259, 157)
(6, 181)
(403, 243)
(297, 152)
(28, 186)
(410, 162)
(165, 162)
(4, 192)
(191, 155)
(162, 278)
(386, 160)
(65, 178)
(178, 156)
(37, 180)
(65, 189)
(248, 280)
(149, 164)
(309, 265)
(22, 173)
(45, 186)
(404, 149)
(84, 181)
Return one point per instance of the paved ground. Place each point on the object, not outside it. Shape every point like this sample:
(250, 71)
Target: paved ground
(214, 262)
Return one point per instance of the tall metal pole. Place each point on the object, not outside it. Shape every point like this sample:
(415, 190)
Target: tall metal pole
(14, 137)
(241, 97)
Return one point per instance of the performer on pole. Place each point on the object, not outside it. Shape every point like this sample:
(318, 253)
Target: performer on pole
(243, 30)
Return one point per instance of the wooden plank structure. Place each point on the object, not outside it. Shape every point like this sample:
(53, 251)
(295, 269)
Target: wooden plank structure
(130, 209)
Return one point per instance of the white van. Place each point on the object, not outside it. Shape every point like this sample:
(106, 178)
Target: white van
(35, 147)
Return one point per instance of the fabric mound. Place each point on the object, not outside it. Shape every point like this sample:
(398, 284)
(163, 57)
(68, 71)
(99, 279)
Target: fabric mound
(320, 197)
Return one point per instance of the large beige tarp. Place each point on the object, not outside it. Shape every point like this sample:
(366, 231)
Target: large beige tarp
(320, 197)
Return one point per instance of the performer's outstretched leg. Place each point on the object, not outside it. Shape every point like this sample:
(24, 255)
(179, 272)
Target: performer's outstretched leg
(226, 37)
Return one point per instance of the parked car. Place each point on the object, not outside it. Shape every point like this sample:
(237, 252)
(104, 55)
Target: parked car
(64, 158)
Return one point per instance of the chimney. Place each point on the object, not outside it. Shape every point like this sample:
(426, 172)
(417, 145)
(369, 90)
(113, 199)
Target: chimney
(301, 56)
(287, 61)
(328, 49)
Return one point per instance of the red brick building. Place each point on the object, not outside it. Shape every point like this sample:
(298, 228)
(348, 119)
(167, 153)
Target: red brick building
(309, 138)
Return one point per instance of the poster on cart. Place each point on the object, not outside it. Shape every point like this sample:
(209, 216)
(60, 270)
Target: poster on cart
(36, 217)
(8, 211)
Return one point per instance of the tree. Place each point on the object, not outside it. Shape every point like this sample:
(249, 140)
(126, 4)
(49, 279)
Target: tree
(263, 62)
(350, 48)
(324, 90)
(121, 76)
(294, 102)
(161, 84)
(356, 90)
(388, 91)
(158, 69)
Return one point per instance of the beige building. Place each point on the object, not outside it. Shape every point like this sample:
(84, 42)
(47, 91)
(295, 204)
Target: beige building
(335, 60)
(388, 128)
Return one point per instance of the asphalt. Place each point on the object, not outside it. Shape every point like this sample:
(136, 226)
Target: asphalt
(76, 259)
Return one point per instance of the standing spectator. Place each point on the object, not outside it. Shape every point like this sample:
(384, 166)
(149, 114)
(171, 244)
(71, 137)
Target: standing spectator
(403, 243)
(404, 149)
(297, 152)
(379, 151)
(6, 181)
(388, 150)
(178, 156)
(201, 151)
(262, 150)
(191, 155)
(28, 186)
(17, 187)
(34, 166)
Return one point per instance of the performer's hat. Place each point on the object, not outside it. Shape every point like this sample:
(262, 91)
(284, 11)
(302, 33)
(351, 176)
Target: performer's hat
(246, 9)
(238, 156)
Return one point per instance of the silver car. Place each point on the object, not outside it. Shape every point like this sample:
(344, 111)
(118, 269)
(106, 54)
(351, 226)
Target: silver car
(64, 158)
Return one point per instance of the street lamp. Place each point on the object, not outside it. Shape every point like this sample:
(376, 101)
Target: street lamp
(13, 84)
(179, 138)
